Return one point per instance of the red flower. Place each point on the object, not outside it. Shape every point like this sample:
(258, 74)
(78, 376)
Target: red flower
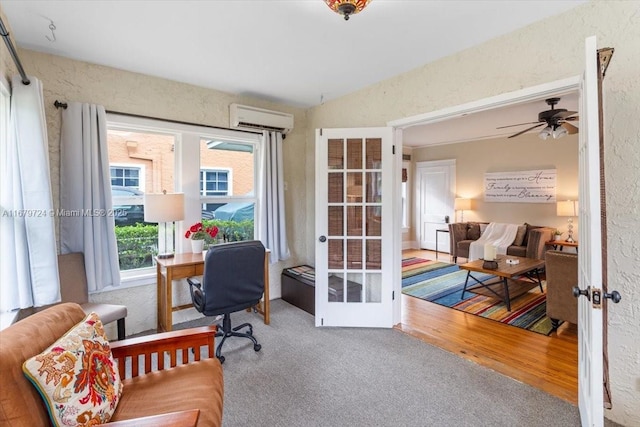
(198, 232)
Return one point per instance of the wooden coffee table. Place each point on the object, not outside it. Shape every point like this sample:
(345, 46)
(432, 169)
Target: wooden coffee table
(523, 276)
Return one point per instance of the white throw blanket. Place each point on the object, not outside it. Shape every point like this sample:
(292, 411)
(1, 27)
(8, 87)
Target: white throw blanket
(499, 235)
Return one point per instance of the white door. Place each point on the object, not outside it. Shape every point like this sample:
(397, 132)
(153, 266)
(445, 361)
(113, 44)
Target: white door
(354, 227)
(435, 188)
(590, 370)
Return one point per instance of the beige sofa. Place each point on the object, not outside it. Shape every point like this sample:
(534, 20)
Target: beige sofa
(461, 234)
(189, 394)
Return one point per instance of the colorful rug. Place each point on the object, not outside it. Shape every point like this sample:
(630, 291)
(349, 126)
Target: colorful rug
(443, 284)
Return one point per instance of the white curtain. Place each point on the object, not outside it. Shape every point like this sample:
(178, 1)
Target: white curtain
(28, 255)
(85, 188)
(273, 225)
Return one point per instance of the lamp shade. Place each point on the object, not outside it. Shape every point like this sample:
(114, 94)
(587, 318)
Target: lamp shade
(164, 207)
(462, 204)
(567, 208)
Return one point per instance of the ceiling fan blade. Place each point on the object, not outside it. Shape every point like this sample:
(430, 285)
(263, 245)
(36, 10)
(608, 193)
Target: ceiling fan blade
(574, 118)
(527, 130)
(564, 114)
(570, 128)
(519, 124)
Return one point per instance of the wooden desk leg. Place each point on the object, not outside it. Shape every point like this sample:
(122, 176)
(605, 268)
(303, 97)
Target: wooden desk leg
(168, 326)
(160, 299)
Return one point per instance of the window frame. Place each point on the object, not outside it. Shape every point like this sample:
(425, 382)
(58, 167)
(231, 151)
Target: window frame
(229, 180)
(187, 169)
(141, 173)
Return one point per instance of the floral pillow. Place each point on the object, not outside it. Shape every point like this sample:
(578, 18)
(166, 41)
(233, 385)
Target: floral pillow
(77, 376)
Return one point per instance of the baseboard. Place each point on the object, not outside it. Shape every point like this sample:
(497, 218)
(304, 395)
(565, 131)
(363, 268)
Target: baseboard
(409, 244)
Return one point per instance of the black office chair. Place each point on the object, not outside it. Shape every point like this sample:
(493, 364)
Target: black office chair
(233, 280)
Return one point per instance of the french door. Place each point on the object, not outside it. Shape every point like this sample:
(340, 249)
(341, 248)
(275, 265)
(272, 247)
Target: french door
(354, 227)
(590, 274)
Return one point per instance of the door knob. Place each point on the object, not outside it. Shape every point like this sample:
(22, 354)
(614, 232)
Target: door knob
(322, 239)
(614, 296)
(577, 292)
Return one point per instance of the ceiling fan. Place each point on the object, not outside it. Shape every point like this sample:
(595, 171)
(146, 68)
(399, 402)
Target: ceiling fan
(556, 120)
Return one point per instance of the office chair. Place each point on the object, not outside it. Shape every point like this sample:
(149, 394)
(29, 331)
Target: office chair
(73, 288)
(233, 280)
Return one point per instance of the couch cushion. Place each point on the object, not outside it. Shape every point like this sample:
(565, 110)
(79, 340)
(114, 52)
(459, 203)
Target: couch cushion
(473, 231)
(197, 385)
(77, 376)
(517, 251)
(522, 232)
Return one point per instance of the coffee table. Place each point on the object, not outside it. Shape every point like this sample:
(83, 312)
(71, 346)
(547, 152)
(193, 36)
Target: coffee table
(524, 276)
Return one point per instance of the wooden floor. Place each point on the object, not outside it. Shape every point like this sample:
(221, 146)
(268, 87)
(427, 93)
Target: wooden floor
(547, 363)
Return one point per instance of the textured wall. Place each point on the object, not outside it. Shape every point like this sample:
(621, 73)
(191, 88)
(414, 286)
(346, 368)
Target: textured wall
(6, 63)
(546, 51)
(68, 80)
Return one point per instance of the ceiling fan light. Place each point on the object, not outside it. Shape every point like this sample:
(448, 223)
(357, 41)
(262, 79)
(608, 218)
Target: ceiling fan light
(545, 133)
(559, 132)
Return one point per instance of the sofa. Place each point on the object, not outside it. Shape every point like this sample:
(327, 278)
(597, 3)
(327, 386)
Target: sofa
(529, 243)
(175, 394)
(562, 276)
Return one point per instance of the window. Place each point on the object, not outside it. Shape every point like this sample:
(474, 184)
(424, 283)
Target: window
(215, 169)
(125, 177)
(227, 183)
(214, 182)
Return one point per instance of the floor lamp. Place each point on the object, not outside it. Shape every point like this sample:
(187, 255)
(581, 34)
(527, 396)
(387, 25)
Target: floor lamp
(165, 209)
(568, 208)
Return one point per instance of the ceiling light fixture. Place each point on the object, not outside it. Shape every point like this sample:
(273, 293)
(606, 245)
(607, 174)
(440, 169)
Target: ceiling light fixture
(545, 133)
(554, 131)
(347, 7)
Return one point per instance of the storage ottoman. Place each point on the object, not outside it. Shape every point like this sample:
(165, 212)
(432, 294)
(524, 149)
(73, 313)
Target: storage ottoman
(299, 288)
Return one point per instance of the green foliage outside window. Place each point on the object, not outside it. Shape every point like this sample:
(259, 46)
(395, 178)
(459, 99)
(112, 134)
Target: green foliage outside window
(138, 244)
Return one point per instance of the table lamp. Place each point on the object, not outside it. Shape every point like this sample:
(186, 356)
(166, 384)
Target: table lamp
(568, 208)
(462, 204)
(165, 209)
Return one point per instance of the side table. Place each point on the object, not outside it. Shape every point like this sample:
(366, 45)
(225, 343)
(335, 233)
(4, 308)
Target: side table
(440, 230)
(561, 244)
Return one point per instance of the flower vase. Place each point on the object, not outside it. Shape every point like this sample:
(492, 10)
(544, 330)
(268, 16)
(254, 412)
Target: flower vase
(197, 245)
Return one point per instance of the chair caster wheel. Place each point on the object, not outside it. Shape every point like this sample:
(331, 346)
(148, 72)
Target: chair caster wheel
(257, 347)
(221, 359)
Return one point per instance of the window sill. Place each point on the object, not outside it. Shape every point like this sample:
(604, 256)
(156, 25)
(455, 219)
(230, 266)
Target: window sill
(143, 278)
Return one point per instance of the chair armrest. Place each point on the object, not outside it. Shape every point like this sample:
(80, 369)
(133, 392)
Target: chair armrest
(171, 419)
(158, 344)
(457, 233)
(536, 242)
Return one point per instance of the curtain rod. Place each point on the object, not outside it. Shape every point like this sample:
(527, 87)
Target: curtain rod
(12, 51)
(63, 105)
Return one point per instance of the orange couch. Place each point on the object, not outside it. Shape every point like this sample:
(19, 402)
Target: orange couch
(189, 394)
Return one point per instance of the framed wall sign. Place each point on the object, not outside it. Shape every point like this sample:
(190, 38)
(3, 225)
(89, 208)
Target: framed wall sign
(534, 186)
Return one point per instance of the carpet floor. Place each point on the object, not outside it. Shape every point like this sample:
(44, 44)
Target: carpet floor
(442, 283)
(308, 376)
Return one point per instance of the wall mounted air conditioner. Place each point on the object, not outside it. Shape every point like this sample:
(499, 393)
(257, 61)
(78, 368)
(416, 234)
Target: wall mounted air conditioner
(251, 118)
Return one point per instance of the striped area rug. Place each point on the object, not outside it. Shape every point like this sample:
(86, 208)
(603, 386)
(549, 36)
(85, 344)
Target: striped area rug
(443, 284)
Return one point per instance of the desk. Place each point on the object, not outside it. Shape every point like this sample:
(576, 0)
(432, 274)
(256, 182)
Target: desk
(562, 244)
(186, 265)
(440, 230)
